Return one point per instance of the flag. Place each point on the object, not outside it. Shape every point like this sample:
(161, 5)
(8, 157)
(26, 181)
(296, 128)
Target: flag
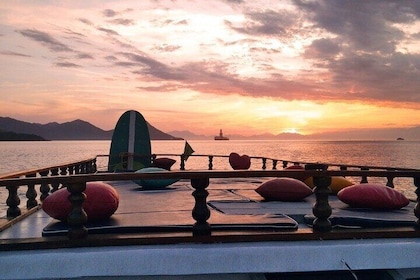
(187, 151)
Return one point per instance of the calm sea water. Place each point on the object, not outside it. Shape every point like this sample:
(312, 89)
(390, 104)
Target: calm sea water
(17, 156)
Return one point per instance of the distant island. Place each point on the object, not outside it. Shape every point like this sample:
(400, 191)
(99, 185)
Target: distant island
(12, 136)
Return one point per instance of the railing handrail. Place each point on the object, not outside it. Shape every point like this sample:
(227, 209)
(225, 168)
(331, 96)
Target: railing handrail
(66, 179)
(282, 160)
(42, 169)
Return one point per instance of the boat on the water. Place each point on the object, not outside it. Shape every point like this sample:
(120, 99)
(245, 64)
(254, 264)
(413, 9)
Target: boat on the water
(177, 223)
(221, 136)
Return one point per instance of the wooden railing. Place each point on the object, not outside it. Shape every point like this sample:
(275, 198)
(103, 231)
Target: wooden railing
(79, 167)
(200, 180)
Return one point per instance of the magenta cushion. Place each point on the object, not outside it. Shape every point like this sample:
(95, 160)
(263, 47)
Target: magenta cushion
(284, 189)
(101, 202)
(373, 196)
(238, 162)
(165, 163)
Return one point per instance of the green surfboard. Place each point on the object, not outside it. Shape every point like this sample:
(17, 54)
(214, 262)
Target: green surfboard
(130, 145)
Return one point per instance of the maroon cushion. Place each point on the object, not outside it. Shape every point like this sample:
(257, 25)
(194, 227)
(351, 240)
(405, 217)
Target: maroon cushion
(372, 196)
(284, 189)
(165, 163)
(101, 202)
(239, 162)
(295, 166)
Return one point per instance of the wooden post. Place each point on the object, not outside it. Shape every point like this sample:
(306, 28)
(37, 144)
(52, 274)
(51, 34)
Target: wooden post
(182, 167)
(417, 207)
(200, 212)
(264, 163)
(77, 217)
(13, 202)
(210, 162)
(321, 209)
(31, 193)
(364, 178)
(274, 164)
(55, 186)
(390, 180)
(45, 187)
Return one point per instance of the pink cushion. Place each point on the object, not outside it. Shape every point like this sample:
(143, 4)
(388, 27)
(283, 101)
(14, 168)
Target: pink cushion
(284, 189)
(165, 163)
(373, 196)
(239, 162)
(100, 203)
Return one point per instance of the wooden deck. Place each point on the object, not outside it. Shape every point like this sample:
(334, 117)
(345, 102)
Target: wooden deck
(138, 242)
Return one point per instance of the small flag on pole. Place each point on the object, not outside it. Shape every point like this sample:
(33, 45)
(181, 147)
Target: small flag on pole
(187, 151)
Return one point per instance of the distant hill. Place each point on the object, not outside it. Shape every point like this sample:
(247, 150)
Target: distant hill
(412, 133)
(185, 134)
(12, 136)
(74, 130)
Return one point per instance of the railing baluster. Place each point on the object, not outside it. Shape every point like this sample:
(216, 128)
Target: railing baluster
(274, 164)
(182, 167)
(417, 207)
(77, 218)
(63, 170)
(200, 212)
(45, 187)
(31, 193)
(321, 209)
(55, 186)
(210, 162)
(390, 180)
(285, 163)
(264, 163)
(13, 202)
(364, 177)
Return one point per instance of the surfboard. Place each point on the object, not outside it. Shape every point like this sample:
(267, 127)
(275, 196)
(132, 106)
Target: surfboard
(130, 146)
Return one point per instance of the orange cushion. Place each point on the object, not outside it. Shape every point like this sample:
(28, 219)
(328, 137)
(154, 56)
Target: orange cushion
(101, 202)
(284, 189)
(373, 196)
(337, 183)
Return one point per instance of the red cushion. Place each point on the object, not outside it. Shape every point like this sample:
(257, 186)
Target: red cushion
(284, 189)
(239, 162)
(165, 163)
(100, 203)
(373, 196)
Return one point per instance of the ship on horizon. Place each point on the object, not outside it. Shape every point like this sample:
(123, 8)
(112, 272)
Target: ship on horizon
(220, 136)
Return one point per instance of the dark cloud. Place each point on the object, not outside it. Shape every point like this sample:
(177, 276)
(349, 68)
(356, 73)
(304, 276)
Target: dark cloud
(364, 25)
(167, 48)
(121, 21)
(324, 49)
(151, 67)
(268, 22)
(67, 65)
(85, 56)
(45, 39)
(86, 21)
(108, 31)
(14, 54)
(109, 13)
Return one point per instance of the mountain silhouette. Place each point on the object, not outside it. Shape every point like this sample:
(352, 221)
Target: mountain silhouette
(74, 130)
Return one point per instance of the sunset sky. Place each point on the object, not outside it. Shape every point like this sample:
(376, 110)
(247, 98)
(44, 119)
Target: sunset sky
(247, 66)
